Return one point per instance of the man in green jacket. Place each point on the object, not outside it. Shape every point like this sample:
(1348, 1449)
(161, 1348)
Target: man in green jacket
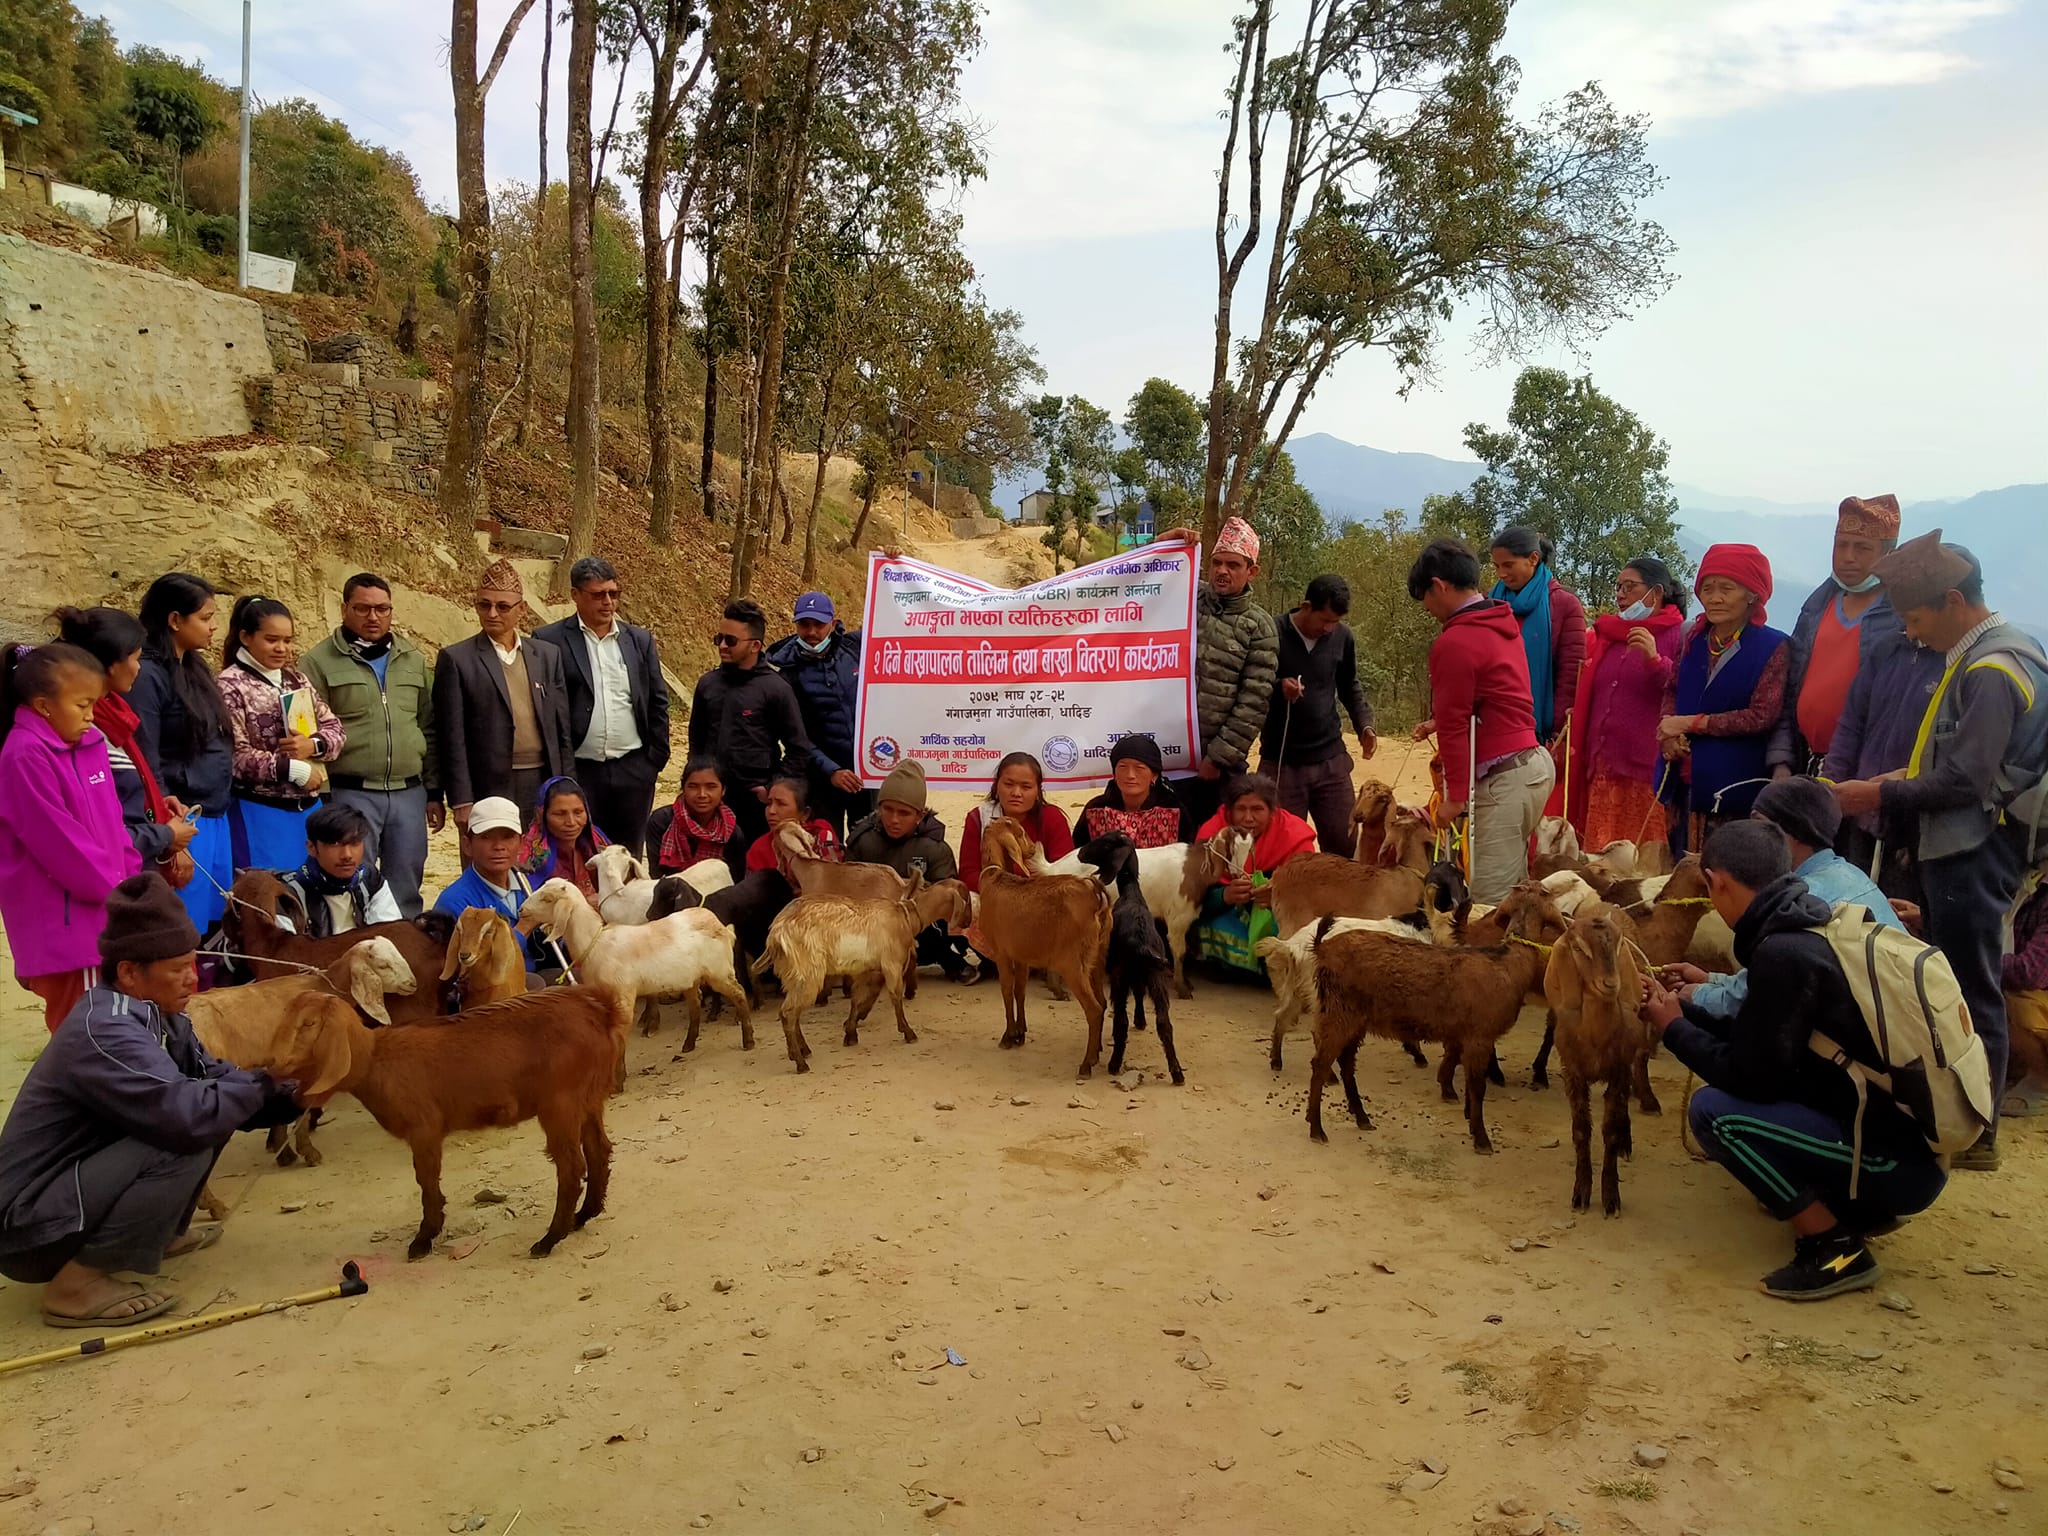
(1237, 657)
(381, 688)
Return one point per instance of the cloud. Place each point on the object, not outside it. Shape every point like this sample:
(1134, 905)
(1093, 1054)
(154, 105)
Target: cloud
(1716, 58)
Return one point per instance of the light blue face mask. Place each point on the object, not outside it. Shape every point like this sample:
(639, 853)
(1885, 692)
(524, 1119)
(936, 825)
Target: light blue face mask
(1867, 584)
(815, 650)
(1636, 610)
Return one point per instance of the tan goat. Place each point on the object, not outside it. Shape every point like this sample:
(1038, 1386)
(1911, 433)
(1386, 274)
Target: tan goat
(485, 961)
(1044, 922)
(1593, 985)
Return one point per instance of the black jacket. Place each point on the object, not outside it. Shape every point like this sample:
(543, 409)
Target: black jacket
(827, 689)
(925, 850)
(473, 717)
(202, 775)
(749, 720)
(643, 677)
(1795, 988)
(1310, 726)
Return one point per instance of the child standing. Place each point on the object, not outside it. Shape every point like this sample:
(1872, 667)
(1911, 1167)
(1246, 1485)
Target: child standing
(699, 826)
(339, 885)
(562, 840)
(284, 735)
(182, 728)
(63, 847)
(903, 834)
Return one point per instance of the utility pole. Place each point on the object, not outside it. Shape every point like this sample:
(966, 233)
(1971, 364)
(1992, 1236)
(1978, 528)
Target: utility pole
(242, 261)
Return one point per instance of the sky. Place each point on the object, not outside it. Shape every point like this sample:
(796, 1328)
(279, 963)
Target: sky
(1855, 189)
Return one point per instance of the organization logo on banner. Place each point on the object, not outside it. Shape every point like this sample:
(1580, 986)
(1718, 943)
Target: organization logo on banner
(1060, 754)
(883, 753)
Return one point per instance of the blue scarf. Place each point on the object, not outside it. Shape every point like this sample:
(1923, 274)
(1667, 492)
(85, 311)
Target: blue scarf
(1532, 611)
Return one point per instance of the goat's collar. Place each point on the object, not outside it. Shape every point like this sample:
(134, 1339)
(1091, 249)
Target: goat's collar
(1541, 949)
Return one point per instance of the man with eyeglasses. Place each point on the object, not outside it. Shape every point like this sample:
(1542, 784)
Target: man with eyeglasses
(618, 703)
(745, 715)
(378, 686)
(501, 706)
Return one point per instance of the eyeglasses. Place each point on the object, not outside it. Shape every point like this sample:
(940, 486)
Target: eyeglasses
(600, 594)
(371, 610)
(1623, 588)
(484, 607)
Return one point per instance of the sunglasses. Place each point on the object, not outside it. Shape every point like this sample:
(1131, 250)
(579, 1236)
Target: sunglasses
(725, 641)
(484, 607)
(600, 594)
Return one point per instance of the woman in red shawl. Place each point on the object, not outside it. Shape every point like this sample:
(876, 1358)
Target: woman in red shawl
(1616, 768)
(1235, 914)
(562, 840)
(1725, 698)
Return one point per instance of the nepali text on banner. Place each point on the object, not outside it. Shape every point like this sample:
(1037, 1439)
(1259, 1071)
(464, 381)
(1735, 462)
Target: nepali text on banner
(956, 674)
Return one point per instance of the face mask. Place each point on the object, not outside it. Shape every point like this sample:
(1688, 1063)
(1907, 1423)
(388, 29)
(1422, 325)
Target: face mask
(1636, 610)
(1867, 584)
(819, 648)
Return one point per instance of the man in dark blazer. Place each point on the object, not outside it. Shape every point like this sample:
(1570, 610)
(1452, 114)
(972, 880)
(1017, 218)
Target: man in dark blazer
(618, 703)
(501, 706)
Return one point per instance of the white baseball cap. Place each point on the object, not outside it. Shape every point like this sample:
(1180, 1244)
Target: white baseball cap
(494, 814)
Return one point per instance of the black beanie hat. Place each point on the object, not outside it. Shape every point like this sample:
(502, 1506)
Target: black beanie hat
(1142, 749)
(1801, 808)
(146, 922)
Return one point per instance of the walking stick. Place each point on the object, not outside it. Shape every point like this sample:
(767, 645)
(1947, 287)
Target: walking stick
(352, 1284)
(1471, 791)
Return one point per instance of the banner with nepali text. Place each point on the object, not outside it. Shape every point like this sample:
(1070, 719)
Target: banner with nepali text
(955, 673)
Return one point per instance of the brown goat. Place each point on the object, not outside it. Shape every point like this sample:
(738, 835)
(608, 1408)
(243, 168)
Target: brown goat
(1323, 885)
(1408, 839)
(857, 881)
(250, 924)
(1369, 819)
(1375, 984)
(1593, 985)
(485, 962)
(1044, 922)
(549, 1055)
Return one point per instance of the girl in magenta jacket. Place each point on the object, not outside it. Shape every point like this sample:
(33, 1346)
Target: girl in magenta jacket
(63, 847)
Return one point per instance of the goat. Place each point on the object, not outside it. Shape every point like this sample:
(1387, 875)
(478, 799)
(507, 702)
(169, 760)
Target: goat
(860, 882)
(1290, 966)
(243, 1025)
(644, 963)
(1676, 904)
(485, 961)
(1592, 985)
(873, 943)
(1175, 879)
(1138, 962)
(1369, 819)
(549, 1055)
(1556, 838)
(1371, 983)
(1320, 885)
(626, 891)
(251, 926)
(1407, 840)
(1042, 922)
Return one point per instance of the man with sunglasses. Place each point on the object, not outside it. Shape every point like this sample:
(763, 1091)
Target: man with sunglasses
(501, 706)
(618, 702)
(745, 715)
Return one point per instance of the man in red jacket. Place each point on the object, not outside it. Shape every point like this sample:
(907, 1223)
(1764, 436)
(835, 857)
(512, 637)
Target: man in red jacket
(1484, 721)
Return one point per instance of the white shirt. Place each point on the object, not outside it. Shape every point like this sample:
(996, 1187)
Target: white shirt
(612, 732)
(507, 656)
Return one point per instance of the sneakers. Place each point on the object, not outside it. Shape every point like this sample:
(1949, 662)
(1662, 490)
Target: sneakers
(1825, 1264)
(1981, 1158)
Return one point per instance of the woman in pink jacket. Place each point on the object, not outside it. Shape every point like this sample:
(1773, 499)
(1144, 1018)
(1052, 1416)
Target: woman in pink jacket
(63, 847)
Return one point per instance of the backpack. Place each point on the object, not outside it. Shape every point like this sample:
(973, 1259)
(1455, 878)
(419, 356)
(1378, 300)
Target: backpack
(1930, 1060)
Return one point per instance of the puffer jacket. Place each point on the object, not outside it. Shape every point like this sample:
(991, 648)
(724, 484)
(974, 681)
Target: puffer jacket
(1237, 657)
(827, 687)
(1878, 631)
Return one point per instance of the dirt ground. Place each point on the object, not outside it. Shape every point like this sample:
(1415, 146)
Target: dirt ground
(1172, 1311)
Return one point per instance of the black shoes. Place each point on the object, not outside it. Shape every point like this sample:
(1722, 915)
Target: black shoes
(1825, 1264)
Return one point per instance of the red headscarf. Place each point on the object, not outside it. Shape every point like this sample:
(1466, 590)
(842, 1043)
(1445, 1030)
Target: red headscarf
(1743, 564)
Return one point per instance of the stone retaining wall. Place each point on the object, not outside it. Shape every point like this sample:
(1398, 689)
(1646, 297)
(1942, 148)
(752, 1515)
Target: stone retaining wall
(390, 438)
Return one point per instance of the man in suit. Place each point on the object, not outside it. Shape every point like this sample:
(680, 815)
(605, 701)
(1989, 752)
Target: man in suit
(618, 703)
(501, 706)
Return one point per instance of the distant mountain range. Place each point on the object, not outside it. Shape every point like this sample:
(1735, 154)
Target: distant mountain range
(2006, 529)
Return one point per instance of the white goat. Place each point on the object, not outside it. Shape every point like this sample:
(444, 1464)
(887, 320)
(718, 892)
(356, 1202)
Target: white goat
(1174, 879)
(645, 963)
(625, 888)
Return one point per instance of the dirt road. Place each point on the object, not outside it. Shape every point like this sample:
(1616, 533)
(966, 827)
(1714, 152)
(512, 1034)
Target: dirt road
(1174, 1313)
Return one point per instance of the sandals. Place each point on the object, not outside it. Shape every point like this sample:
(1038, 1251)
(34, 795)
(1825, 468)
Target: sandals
(204, 1235)
(101, 1319)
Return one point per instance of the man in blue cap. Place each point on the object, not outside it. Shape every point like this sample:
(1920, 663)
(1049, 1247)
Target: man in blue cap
(822, 663)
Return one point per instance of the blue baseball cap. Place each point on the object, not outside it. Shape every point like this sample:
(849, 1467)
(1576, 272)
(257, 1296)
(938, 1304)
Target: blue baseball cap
(815, 605)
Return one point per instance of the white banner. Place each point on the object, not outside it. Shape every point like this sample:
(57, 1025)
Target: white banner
(955, 673)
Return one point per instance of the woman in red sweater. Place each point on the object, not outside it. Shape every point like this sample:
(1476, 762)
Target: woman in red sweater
(1018, 794)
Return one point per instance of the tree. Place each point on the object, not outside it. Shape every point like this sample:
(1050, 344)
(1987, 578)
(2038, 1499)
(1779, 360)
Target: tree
(1293, 533)
(583, 423)
(462, 481)
(1579, 468)
(1405, 187)
(1130, 472)
(1165, 423)
(1076, 444)
(1392, 630)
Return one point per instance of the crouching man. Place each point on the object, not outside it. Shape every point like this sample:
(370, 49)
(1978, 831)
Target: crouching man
(1773, 1112)
(118, 1123)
